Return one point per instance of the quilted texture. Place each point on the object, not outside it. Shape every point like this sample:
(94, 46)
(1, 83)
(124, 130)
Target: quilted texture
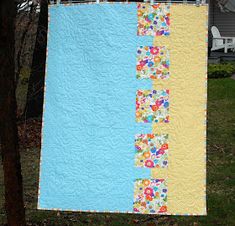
(89, 129)
(88, 146)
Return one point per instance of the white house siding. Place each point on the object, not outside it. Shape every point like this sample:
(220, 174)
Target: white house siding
(224, 21)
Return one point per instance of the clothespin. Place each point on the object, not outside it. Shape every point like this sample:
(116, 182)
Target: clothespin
(198, 2)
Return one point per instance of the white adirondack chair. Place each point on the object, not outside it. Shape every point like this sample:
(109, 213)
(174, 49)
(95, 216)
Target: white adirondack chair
(220, 42)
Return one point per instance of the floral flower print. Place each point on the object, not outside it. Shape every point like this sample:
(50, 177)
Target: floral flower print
(152, 106)
(150, 196)
(152, 62)
(148, 191)
(154, 19)
(149, 163)
(151, 150)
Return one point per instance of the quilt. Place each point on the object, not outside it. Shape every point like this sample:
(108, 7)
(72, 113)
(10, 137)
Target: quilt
(124, 122)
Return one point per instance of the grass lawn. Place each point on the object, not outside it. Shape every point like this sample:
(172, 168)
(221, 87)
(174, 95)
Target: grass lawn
(220, 175)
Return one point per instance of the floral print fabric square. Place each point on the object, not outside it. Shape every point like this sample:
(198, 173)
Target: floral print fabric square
(154, 19)
(152, 62)
(151, 150)
(150, 196)
(152, 106)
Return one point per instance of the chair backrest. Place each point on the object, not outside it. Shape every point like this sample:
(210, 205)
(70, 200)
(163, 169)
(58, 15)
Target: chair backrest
(216, 34)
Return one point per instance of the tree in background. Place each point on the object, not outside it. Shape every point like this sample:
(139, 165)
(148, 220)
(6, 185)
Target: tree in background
(37, 75)
(25, 36)
(14, 204)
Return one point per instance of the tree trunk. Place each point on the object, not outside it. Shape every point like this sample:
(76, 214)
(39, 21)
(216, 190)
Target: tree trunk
(8, 128)
(34, 104)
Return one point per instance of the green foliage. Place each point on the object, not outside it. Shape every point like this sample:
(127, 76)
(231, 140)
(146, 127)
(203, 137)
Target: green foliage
(222, 70)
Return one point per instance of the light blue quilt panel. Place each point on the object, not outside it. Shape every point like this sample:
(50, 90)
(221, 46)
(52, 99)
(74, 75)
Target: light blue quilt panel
(87, 157)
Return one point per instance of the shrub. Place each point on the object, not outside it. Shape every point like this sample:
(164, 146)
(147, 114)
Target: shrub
(221, 70)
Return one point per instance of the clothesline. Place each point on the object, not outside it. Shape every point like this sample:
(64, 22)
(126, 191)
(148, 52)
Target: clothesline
(198, 2)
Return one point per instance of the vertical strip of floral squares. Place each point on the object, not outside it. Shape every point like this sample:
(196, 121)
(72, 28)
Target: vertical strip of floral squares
(152, 106)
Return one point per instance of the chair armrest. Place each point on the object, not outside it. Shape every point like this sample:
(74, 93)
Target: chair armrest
(220, 38)
(228, 37)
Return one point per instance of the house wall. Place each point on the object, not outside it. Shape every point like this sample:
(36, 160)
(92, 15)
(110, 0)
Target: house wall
(224, 21)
